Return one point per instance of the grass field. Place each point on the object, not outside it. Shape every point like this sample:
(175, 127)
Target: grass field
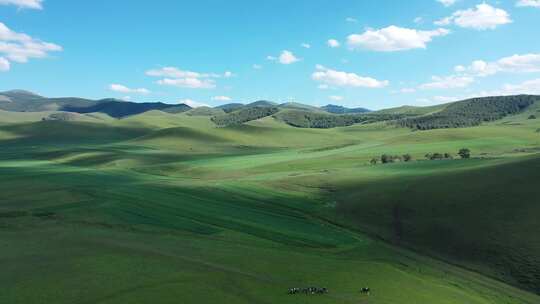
(168, 208)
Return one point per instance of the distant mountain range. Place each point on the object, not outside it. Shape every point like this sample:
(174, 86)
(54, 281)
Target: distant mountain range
(457, 114)
(25, 101)
(343, 110)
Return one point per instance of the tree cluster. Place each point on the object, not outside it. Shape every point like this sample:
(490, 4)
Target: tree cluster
(464, 153)
(243, 115)
(471, 112)
(386, 159)
(309, 119)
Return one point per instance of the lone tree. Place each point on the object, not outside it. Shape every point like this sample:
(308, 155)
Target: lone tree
(532, 117)
(464, 153)
(374, 161)
(407, 158)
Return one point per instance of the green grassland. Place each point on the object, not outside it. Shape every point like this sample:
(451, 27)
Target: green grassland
(169, 208)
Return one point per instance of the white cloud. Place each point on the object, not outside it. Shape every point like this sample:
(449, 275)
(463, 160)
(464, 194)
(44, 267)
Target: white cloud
(287, 57)
(333, 43)
(448, 82)
(306, 45)
(257, 66)
(4, 65)
(459, 69)
(526, 63)
(351, 20)
(482, 17)
(175, 73)
(173, 76)
(32, 4)
(447, 3)
(189, 83)
(393, 38)
(123, 89)
(418, 20)
(528, 3)
(527, 87)
(271, 58)
(19, 47)
(192, 103)
(336, 98)
(344, 79)
(221, 98)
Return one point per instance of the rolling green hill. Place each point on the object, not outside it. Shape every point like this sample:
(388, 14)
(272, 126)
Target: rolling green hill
(166, 207)
(119, 109)
(471, 112)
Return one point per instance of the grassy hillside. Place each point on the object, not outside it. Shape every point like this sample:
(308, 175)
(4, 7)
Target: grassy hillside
(244, 115)
(205, 111)
(412, 110)
(322, 120)
(119, 109)
(471, 112)
(158, 207)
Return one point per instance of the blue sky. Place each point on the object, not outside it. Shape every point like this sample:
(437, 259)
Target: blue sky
(373, 54)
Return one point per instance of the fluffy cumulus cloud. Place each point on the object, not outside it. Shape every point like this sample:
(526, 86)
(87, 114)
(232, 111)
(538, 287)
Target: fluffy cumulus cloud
(4, 64)
(19, 47)
(221, 98)
(333, 43)
(172, 76)
(527, 87)
(447, 3)
(526, 63)
(287, 57)
(481, 17)
(124, 89)
(531, 87)
(331, 77)
(528, 3)
(393, 38)
(32, 4)
(448, 82)
(189, 83)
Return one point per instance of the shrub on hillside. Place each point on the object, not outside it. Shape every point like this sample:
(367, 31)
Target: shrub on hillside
(438, 156)
(386, 159)
(464, 153)
(407, 158)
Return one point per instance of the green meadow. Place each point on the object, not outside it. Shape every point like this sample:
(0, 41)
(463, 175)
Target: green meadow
(170, 208)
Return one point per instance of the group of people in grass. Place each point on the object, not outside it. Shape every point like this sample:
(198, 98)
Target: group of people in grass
(319, 290)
